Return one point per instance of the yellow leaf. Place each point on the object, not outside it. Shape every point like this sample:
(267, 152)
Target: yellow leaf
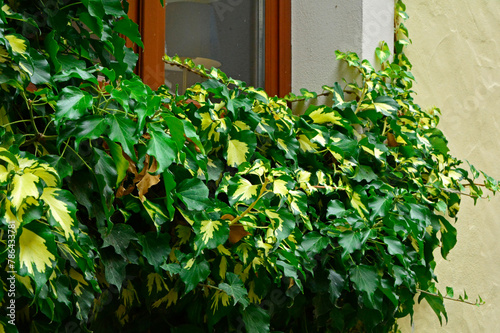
(282, 145)
(306, 145)
(189, 264)
(236, 151)
(26, 282)
(219, 296)
(358, 204)
(23, 186)
(244, 248)
(254, 298)
(241, 125)
(129, 294)
(32, 251)
(25, 162)
(47, 173)
(6, 9)
(279, 187)
(273, 216)
(320, 117)
(3, 174)
(245, 190)
(18, 45)
(9, 216)
(223, 250)
(155, 279)
(223, 267)
(59, 211)
(208, 228)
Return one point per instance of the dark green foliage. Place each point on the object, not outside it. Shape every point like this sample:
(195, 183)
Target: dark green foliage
(219, 209)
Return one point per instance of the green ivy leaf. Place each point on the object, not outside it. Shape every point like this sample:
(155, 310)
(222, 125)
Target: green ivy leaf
(41, 68)
(155, 247)
(313, 242)
(156, 212)
(448, 236)
(130, 29)
(365, 278)
(73, 103)
(394, 246)
(335, 286)
(114, 268)
(162, 147)
(123, 131)
(194, 271)
(119, 238)
(193, 193)
(256, 319)
(436, 304)
(350, 242)
(121, 163)
(235, 288)
(87, 127)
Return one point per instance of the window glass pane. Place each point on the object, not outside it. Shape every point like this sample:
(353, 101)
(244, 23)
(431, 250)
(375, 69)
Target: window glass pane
(227, 34)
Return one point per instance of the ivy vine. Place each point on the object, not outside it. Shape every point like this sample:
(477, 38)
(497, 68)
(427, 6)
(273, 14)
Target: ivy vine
(128, 209)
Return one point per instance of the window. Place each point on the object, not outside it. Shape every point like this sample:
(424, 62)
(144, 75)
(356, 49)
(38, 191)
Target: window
(266, 47)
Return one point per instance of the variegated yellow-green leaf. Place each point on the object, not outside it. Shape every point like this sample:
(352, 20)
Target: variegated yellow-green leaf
(18, 45)
(33, 253)
(80, 281)
(358, 204)
(208, 228)
(245, 190)
(241, 125)
(9, 216)
(23, 186)
(236, 152)
(306, 145)
(279, 187)
(320, 116)
(3, 174)
(58, 210)
(47, 173)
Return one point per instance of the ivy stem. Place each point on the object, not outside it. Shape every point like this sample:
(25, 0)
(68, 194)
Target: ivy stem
(449, 298)
(83, 161)
(363, 95)
(263, 190)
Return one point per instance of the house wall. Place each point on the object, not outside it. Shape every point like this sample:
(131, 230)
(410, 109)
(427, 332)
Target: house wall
(456, 58)
(321, 27)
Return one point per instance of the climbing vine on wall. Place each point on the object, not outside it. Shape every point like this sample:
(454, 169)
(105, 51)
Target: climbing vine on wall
(219, 209)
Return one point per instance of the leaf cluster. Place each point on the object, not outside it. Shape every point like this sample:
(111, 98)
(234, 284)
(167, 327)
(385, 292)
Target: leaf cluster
(218, 209)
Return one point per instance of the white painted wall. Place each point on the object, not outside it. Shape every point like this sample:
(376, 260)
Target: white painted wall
(321, 27)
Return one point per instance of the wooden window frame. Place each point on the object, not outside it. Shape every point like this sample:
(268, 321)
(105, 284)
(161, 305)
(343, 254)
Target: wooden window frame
(150, 16)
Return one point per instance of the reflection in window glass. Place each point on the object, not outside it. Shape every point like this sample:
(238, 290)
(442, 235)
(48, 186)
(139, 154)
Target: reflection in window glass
(227, 34)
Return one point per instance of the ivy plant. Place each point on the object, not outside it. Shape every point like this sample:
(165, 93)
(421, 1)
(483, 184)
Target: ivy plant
(219, 209)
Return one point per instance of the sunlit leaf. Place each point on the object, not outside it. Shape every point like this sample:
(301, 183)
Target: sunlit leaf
(24, 186)
(62, 209)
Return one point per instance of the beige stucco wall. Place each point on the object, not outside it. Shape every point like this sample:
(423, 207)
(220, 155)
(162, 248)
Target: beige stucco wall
(456, 58)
